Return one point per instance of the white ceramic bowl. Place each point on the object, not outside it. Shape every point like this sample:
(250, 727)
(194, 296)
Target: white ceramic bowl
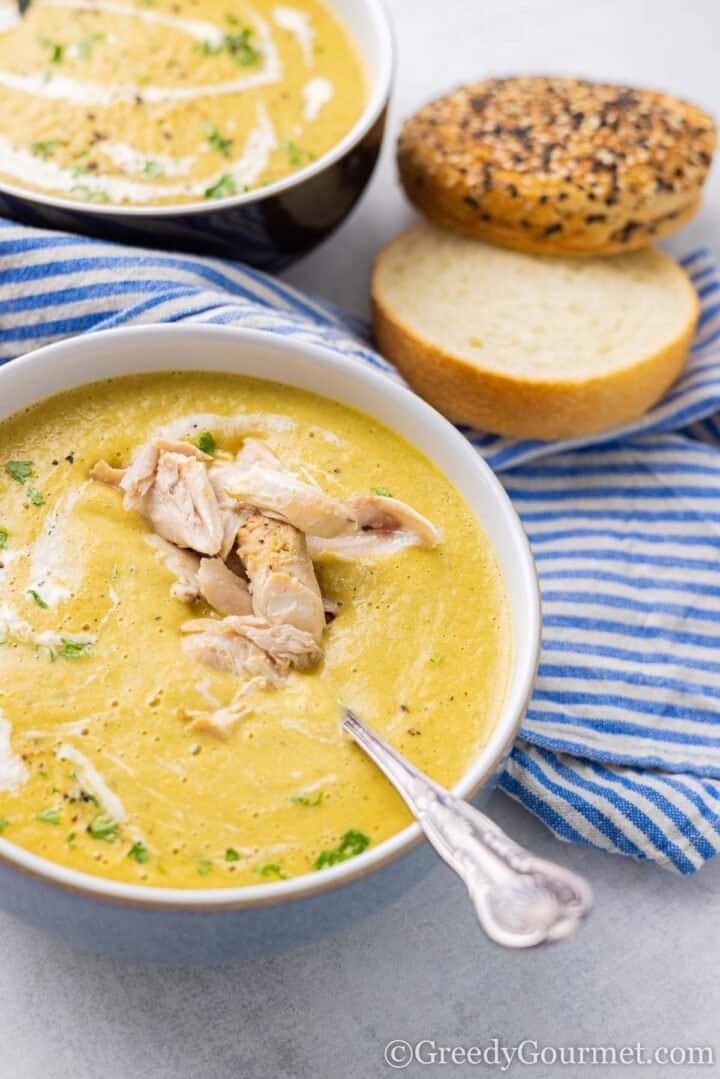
(182, 924)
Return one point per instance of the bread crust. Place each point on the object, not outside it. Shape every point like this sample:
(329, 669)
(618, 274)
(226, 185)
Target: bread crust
(517, 407)
(553, 165)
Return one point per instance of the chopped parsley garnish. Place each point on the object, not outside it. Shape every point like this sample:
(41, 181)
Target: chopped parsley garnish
(225, 186)
(231, 855)
(207, 443)
(352, 843)
(56, 50)
(295, 154)
(89, 194)
(72, 649)
(3, 538)
(382, 491)
(153, 169)
(38, 598)
(70, 838)
(44, 149)
(104, 828)
(20, 471)
(271, 870)
(218, 141)
(139, 853)
(35, 497)
(204, 867)
(83, 48)
(48, 816)
(3, 824)
(238, 45)
(309, 803)
(436, 660)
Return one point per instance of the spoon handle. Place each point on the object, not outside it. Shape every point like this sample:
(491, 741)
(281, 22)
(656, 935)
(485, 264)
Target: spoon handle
(520, 900)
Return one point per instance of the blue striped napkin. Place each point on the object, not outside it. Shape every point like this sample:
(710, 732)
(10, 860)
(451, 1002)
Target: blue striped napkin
(620, 748)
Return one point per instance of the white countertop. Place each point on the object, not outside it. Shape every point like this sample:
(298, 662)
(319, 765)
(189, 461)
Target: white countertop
(644, 969)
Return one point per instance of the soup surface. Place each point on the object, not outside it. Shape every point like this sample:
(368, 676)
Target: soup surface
(104, 763)
(170, 101)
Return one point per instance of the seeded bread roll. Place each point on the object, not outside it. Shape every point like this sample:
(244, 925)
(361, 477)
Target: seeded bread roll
(528, 345)
(556, 165)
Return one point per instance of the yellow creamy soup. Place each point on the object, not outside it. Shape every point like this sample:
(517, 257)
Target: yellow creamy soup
(170, 101)
(104, 764)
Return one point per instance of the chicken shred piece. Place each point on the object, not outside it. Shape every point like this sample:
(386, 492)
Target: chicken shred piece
(381, 514)
(249, 645)
(102, 472)
(184, 566)
(223, 589)
(385, 526)
(222, 721)
(283, 584)
(169, 485)
(280, 492)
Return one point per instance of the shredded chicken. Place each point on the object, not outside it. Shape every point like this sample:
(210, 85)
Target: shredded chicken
(169, 485)
(184, 566)
(277, 491)
(249, 645)
(283, 584)
(223, 589)
(385, 526)
(242, 535)
(222, 721)
(102, 472)
(381, 514)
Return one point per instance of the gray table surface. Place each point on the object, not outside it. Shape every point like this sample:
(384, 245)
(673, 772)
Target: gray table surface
(645, 969)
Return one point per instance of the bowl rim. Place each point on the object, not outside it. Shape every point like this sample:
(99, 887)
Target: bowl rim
(491, 755)
(380, 90)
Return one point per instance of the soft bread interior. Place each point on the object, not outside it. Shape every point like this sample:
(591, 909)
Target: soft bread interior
(534, 317)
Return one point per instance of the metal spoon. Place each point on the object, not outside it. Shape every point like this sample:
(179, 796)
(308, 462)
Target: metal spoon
(520, 900)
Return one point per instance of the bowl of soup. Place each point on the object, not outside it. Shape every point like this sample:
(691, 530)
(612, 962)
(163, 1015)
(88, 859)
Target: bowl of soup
(240, 128)
(212, 540)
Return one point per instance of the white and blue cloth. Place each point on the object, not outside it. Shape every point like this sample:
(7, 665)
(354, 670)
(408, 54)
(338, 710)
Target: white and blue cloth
(620, 747)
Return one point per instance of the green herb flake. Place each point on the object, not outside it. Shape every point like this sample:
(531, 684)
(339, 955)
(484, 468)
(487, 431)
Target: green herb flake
(84, 48)
(139, 853)
(3, 538)
(48, 816)
(55, 49)
(231, 855)
(44, 148)
(224, 187)
(37, 598)
(436, 660)
(153, 169)
(3, 824)
(383, 492)
(70, 838)
(89, 194)
(217, 141)
(204, 867)
(295, 154)
(238, 45)
(72, 649)
(351, 844)
(309, 803)
(104, 828)
(20, 471)
(35, 497)
(207, 443)
(271, 870)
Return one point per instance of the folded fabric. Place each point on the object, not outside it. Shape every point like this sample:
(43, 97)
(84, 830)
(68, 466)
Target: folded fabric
(620, 747)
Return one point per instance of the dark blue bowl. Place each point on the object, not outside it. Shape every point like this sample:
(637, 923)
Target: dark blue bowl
(269, 228)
